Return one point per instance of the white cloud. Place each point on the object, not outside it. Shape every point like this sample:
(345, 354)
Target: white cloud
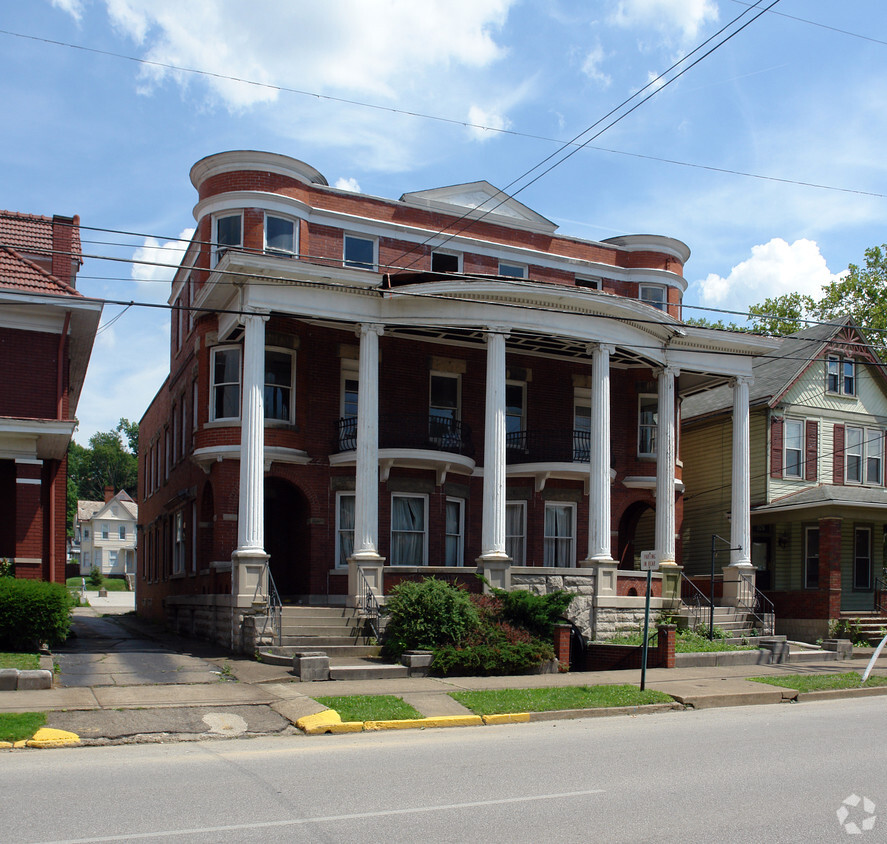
(591, 66)
(670, 17)
(349, 184)
(73, 7)
(774, 268)
(155, 264)
(489, 118)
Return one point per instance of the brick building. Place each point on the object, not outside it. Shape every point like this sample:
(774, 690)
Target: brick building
(47, 330)
(387, 388)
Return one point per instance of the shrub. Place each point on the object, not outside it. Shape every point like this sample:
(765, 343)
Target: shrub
(535, 613)
(95, 577)
(427, 615)
(7, 567)
(32, 613)
(490, 659)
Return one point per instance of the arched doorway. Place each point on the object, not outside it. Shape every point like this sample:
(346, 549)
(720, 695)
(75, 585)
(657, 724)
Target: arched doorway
(637, 532)
(287, 539)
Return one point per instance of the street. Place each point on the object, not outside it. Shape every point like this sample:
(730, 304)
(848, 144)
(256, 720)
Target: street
(749, 774)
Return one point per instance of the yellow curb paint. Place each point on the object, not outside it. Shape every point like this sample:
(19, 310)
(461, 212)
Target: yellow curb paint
(22, 743)
(347, 727)
(420, 723)
(320, 722)
(49, 737)
(508, 718)
(5, 745)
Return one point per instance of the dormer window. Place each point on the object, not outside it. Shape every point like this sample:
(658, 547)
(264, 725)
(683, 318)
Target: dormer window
(840, 375)
(280, 235)
(228, 234)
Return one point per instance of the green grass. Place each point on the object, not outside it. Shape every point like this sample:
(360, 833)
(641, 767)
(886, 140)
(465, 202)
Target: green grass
(112, 584)
(686, 642)
(370, 708)
(15, 726)
(24, 662)
(546, 700)
(816, 682)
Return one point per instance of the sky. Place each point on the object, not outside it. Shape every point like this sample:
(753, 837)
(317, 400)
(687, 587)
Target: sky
(766, 157)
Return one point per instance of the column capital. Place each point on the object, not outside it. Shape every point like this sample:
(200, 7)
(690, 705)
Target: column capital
(742, 380)
(369, 327)
(253, 315)
(668, 369)
(494, 329)
(609, 348)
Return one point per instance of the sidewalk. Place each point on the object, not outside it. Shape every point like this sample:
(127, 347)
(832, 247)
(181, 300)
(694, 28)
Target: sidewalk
(120, 679)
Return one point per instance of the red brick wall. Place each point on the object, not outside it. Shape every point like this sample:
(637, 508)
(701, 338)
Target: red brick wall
(28, 376)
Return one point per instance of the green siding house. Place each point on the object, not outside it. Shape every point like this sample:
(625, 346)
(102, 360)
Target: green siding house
(818, 416)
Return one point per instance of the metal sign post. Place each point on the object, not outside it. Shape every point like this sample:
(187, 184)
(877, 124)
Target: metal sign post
(649, 562)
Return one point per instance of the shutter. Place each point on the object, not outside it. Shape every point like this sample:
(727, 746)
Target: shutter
(838, 456)
(811, 449)
(776, 445)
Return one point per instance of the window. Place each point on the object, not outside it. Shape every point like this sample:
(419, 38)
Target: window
(280, 235)
(86, 533)
(112, 560)
(811, 557)
(445, 262)
(279, 372)
(443, 410)
(226, 383)
(653, 295)
(581, 425)
(512, 270)
(348, 406)
(840, 375)
(344, 527)
(408, 531)
(590, 283)
(194, 406)
(853, 455)
(228, 234)
(794, 448)
(515, 530)
(178, 547)
(177, 322)
(515, 436)
(121, 532)
(648, 416)
(184, 424)
(360, 252)
(105, 531)
(97, 557)
(175, 433)
(560, 522)
(862, 558)
(863, 453)
(874, 448)
(455, 531)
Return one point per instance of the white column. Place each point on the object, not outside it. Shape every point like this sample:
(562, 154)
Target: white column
(740, 510)
(599, 540)
(493, 561)
(665, 460)
(249, 571)
(366, 487)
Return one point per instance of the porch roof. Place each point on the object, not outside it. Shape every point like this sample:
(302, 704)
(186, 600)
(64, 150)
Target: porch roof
(827, 494)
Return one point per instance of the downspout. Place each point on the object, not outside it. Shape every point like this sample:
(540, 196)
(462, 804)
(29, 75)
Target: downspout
(60, 385)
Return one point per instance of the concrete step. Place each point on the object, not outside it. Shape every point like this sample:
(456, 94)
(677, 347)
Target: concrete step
(322, 630)
(291, 610)
(321, 643)
(367, 671)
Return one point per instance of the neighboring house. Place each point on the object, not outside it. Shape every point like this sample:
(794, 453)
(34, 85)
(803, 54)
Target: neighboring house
(47, 330)
(818, 495)
(436, 384)
(106, 534)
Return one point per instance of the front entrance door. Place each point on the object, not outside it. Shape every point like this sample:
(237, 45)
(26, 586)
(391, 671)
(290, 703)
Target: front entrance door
(287, 539)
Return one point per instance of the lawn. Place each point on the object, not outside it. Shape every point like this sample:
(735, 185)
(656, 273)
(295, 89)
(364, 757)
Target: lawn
(499, 701)
(112, 584)
(817, 682)
(24, 662)
(15, 726)
(686, 642)
(370, 708)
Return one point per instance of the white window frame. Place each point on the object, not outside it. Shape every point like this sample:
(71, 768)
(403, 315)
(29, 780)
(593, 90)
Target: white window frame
(512, 538)
(512, 270)
(571, 539)
(868, 559)
(874, 451)
(360, 265)
(786, 465)
(97, 558)
(654, 295)
(848, 362)
(106, 530)
(112, 559)
(424, 499)
(837, 377)
(121, 532)
(291, 409)
(459, 536)
(646, 426)
(219, 249)
(340, 561)
(857, 452)
(213, 386)
(273, 250)
(444, 253)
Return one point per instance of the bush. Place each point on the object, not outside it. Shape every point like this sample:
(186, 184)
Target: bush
(484, 659)
(7, 567)
(95, 578)
(427, 615)
(535, 613)
(32, 613)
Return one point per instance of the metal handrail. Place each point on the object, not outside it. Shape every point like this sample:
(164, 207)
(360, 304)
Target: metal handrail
(880, 596)
(698, 601)
(367, 603)
(274, 615)
(762, 607)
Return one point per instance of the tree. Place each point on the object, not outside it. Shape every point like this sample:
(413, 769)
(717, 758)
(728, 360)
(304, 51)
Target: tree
(782, 314)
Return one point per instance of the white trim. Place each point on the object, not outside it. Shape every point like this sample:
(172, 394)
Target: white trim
(216, 247)
(338, 546)
(359, 265)
(523, 534)
(31, 481)
(215, 350)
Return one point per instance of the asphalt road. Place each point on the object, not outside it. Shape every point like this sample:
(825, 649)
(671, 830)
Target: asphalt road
(745, 774)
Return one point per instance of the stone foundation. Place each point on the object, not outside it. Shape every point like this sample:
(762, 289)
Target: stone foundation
(212, 618)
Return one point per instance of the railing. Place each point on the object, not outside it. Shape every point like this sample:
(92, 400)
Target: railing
(548, 446)
(367, 603)
(419, 431)
(761, 606)
(274, 615)
(880, 595)
(698, 603)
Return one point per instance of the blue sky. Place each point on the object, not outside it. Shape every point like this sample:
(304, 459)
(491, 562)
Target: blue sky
(800, 95)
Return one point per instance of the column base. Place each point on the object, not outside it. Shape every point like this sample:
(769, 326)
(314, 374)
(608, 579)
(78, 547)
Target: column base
(372, 565)
(605, 577)
(671, 582)
(496, 571)
(739, 579)
(249, 577)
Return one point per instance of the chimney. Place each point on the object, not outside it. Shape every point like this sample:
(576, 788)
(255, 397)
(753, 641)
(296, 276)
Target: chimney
(65, 262)
(109, 493)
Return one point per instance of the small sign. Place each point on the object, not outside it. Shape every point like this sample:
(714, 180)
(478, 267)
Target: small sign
(649, 561)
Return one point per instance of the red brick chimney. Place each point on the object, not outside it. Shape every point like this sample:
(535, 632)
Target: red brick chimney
(65, 258)
(109, 493)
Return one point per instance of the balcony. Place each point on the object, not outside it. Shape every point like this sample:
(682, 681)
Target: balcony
(562, 446)
(421, 432)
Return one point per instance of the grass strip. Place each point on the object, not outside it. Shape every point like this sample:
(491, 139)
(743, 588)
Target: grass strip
(686, 642)
(498, 701)
(16, 726)
(370, 707)
(112, 584)
(24, 662)
(818, 682)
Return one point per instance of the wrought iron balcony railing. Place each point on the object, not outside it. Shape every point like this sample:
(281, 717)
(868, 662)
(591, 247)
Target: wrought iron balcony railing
(562, 446)
(419, 431)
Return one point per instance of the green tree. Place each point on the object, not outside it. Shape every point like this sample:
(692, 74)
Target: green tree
(783, 314)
